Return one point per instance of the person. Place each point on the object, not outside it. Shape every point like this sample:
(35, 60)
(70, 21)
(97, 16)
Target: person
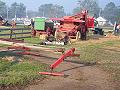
(13, 24)
(118, 29)
(66, 38)
(32, 24)
(83, 31)
(49, 31)
(32, 28)
(1, 20)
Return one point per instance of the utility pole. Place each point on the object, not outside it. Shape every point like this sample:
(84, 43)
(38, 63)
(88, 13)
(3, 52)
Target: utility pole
(26, 13)
(100, 12)
(7, 13)
(16, 7)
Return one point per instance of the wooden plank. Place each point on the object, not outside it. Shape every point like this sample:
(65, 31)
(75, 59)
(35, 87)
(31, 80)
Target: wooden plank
(23, 33)
(5, 34)
(15, 34)
(22, 37)
(4, 29)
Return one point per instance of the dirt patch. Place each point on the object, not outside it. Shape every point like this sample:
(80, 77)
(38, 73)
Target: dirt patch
(79, 77)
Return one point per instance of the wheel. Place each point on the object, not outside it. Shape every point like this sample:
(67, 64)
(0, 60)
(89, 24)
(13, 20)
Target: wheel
(59, 35)
(78, 35)
(56, 35)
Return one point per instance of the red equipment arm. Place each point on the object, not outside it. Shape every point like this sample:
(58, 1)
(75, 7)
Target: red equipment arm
(68, 53)
(19, 48)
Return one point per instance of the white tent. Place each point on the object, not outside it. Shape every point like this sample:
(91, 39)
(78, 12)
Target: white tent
(102, 21)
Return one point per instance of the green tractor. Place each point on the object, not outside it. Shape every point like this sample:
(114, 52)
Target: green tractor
(41, 26)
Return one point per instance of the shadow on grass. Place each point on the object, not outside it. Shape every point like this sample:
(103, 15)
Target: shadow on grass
(67, 60)
(83, 64)
(72, 68)
(8, 53)
(12, 53)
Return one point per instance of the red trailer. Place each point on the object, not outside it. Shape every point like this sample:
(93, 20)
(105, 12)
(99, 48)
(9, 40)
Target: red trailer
(75, 27)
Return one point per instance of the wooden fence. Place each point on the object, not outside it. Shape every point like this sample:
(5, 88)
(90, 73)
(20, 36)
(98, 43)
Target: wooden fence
(16, 33)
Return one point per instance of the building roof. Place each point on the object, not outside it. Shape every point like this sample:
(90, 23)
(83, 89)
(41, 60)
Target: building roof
(101, 19)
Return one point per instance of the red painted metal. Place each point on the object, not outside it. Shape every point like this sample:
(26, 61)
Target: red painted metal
(54, 65)
(19, 48)
(53, 74)
(72, 24)
(68, 53)
(75, 55)
(60, 60)
(67, 19)
(28, 53)
(90, 22)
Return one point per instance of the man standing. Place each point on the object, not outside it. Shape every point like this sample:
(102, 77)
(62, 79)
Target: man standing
(32, 28)
(118, 29)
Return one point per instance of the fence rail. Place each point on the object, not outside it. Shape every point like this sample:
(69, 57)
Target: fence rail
(15, 33)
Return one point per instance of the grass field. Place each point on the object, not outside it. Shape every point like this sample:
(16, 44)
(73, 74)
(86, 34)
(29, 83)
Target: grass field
(32, 40)
(3, 45)
(20, 71)
(106, 55)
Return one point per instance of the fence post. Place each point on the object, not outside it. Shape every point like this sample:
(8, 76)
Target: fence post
(11, 32)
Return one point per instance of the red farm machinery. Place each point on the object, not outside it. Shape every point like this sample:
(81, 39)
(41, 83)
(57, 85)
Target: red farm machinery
(70, 27)
(76, 26)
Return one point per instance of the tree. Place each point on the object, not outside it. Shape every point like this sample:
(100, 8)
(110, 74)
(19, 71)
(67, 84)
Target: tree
(90, 5)
(32, 14)
(3, 9)
(21, 12)
(118, 14)
(50, 10)
(17, 10)
(111, 12)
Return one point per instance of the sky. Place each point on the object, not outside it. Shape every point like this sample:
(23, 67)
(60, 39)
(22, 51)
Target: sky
(69, 5)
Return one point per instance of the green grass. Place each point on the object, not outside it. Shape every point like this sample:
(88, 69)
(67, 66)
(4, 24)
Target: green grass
(3, 45)
(93, 52)
(19, 73)
(106, 54)
(114, 69)
(109, 59)
(32, 40)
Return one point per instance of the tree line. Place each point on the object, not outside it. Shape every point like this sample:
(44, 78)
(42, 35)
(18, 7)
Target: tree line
(19, 10)
(111, 12)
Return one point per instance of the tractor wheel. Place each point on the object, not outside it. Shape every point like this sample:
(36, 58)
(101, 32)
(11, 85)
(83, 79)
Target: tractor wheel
(59, 35)
(78, 35)
(56, 35)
